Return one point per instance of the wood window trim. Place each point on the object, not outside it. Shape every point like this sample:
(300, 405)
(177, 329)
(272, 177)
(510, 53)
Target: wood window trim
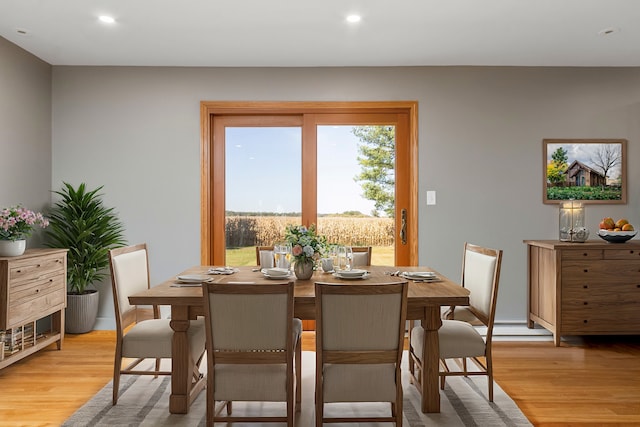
(408, 158)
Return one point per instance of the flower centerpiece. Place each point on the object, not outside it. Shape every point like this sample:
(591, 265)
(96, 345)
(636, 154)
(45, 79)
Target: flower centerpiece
(306, 248)
(16, 224)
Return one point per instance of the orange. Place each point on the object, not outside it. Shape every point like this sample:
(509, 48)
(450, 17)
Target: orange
(627, 227)
(621, 222)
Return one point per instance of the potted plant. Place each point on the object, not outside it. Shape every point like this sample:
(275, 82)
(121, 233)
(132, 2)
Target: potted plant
(80, 222)
(16, 224)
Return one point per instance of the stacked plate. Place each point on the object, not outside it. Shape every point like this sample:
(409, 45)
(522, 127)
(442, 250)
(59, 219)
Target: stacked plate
(276, 273)
(192, 279)
(354, 273)
(423, 276)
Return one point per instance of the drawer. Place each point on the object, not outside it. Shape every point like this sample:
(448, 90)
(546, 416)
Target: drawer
(611, 272)
(605, 295)
(25, 291)
(36, 308)
(630, 254)
(584, 254)
(614, 319)
(34, 269)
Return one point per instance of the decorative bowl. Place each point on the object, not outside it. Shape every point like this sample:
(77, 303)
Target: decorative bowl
(616, 236)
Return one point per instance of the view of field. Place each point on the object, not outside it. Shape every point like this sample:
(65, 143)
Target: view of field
(244, 233)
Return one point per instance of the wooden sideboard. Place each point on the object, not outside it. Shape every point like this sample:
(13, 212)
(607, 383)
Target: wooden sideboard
(32, 286)
(590, 288)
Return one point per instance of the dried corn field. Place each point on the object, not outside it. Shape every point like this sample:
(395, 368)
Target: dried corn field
(242, 231)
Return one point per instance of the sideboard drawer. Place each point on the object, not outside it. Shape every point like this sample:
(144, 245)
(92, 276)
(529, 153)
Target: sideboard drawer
(630, 254)
(27, 291)
(34, 269)
(44, 305)
(585, 254)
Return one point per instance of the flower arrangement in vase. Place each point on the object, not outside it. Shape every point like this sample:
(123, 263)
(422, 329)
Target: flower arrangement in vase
(306, 248)
(16, 224)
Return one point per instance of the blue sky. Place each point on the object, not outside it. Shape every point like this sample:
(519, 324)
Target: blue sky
(263, 169)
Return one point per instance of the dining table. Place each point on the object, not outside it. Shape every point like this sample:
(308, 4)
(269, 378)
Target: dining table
(424, 302)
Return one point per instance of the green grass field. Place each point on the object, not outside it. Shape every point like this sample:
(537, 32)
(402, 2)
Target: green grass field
(380, 255)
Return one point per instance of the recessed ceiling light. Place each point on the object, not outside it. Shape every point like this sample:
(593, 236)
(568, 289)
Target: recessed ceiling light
(608, 31)
(353, 18)
(106, 19)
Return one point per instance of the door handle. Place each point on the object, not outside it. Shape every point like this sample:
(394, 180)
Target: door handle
(403, 226)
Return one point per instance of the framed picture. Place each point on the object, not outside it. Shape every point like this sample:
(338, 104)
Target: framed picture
(586, 170)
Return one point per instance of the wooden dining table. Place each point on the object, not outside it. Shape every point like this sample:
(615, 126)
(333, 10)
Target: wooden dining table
(423, 303)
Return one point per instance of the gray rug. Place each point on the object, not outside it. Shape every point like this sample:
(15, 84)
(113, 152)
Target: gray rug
(144, 401)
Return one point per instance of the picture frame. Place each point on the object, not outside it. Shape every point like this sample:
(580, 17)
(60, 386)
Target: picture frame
(591, 171)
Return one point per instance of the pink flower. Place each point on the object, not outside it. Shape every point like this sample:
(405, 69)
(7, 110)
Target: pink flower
(296, 250)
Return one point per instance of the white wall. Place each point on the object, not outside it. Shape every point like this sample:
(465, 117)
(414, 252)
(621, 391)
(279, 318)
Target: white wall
(25, 131)
(136, 131)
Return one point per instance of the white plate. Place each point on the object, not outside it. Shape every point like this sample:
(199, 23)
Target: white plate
(276, 277)
(422, 275)
(276, 272)
(341, 276)
(193, 278)
(352, 273)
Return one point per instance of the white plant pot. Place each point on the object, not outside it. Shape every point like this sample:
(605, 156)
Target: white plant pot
(12, 247)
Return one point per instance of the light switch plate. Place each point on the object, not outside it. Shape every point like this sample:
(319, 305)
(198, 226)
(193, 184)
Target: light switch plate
(431, 197)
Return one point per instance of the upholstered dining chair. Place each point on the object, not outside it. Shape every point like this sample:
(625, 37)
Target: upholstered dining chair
(137, 336)
(359, 341)
(262, 248)
(361, 256)
(458, 339)
(253, 346)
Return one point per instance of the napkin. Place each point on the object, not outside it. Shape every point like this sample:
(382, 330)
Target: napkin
(222, 270)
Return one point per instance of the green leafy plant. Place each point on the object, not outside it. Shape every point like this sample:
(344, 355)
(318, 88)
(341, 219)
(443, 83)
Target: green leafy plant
(80, 222)
(305, 243)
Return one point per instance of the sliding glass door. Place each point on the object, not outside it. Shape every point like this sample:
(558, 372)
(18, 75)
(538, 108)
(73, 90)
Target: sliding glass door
(335, 170)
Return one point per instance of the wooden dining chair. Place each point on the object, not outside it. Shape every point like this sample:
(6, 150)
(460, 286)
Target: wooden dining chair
(253, 346)
(361, 256)
(359, 342)
(139, 337)
(459, 339)
(262, 248)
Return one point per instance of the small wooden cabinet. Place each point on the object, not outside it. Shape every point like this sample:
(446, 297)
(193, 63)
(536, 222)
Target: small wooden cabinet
(590, 288)
(32, 286)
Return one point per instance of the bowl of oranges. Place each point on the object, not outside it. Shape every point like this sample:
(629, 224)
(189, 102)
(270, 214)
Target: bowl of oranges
(616, 231)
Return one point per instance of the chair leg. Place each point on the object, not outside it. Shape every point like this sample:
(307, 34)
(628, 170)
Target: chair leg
(298, 362)
(117, 366)
(157, 367)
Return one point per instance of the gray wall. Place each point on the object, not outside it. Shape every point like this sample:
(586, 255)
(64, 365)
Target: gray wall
(25, 131)
(136, 131)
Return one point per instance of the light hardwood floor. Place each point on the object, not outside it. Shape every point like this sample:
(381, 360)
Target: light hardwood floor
(594, 381)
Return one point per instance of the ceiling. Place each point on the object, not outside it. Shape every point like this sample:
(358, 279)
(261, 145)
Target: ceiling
(305, 33)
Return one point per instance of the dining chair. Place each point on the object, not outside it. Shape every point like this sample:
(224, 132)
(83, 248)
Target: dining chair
(139, 337)
(359, 341)
(252, 340)
(361, 256)
(262, 248)
(459, 339)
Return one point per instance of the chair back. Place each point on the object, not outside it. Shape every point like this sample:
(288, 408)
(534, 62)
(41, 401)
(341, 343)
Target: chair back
(262, 248)
(249, 317)
(129, 275)
(359, 342)
(480, 275)
(361, 256)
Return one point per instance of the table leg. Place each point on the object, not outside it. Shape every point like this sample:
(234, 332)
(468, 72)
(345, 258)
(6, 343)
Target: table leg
(431, 360)
(180, 372)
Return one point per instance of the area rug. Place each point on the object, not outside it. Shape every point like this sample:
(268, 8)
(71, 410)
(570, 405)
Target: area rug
(144, 401)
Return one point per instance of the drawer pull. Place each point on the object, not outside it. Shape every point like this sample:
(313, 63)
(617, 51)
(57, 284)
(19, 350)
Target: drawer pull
(586, 270)
(585, 254)
(585, 286)
(585, 321)
(37, 290)
(585, 303)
